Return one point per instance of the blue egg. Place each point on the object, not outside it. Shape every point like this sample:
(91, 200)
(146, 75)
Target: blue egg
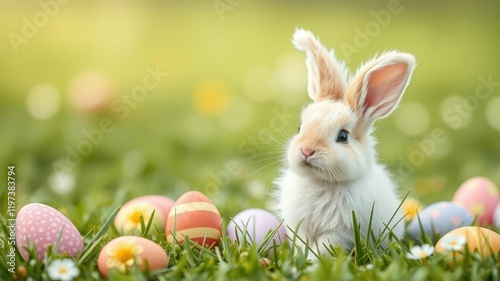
(439, 219)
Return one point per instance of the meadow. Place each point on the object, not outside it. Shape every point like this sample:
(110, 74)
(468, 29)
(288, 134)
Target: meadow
(104, 102)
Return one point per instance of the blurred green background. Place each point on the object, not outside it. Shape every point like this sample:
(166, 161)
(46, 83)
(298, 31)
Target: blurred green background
(65, 68)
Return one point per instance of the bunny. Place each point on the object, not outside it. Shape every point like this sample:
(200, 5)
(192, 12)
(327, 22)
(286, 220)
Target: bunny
(331, 164)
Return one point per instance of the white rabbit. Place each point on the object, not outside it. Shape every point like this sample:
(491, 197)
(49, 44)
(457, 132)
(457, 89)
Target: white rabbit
(332, 167)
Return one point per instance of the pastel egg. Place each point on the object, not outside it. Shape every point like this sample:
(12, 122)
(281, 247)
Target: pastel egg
(478, 239)
(439, 218)
(255, 224)
(124, 252)
(40, 226)
(196, 217)
(496, 217)
(162, 203)
(127, 220)
(480, 196)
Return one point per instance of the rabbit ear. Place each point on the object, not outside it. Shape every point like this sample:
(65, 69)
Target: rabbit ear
(379, 85)
(326, 76)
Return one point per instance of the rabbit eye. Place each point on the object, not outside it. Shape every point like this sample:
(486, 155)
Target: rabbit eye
(343, 136)
(298, 131)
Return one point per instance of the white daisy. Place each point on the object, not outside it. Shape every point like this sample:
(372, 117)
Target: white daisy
(420, 252)
(453, 242)
(63, 269)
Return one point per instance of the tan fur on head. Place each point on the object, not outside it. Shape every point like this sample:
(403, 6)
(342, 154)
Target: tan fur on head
(327, 77)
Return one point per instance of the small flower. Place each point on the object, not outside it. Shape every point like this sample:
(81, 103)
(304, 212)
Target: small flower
(453, 242)
(63, 269)
(420, 252)
(123, 255)
(411, 207)
(132, 217)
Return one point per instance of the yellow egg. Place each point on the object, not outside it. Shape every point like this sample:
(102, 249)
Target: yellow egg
(478, 239)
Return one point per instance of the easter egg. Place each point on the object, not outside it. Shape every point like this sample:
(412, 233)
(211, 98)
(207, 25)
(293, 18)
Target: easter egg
(496, 217)
(127, 221)
(196, 217)
(480, 196)
(162, 203)
(40, 226)
(478, 239)
(255, 224)
(439, 218)
(126, 251)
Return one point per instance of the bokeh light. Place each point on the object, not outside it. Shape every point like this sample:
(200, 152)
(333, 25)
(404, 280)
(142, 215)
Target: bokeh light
(492, 113)
(412, 119)
(91, 91)
(212, 98)
(43, 101)
(454, 114)
(62, 183)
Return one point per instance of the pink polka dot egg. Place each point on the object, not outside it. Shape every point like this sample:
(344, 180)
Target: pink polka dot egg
(480, 196)
(439, 219)
(39, 226)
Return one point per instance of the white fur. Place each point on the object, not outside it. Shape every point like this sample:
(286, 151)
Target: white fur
(317, 195)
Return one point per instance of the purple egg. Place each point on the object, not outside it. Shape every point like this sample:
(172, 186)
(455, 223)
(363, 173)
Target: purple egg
(439, 219)
(496, 217)
(257, 223)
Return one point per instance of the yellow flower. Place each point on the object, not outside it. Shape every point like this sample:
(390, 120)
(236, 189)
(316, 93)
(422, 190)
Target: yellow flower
(129, 222)
(123, 255)
(411, 207)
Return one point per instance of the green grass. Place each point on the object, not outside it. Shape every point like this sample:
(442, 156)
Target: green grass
(243, 260)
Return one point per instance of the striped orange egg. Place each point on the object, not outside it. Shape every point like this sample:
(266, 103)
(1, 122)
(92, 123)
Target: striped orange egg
(194, 216)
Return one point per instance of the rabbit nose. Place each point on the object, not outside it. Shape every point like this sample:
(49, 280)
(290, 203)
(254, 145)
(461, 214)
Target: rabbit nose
(307, 152)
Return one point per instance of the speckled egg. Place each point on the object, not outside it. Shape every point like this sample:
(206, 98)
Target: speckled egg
(126, 251)
(439, 218)
(496, 217)
(40, 226)
(480, 196)
(196, 217)
(478, 239)
(255, 224)
(128, 221)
